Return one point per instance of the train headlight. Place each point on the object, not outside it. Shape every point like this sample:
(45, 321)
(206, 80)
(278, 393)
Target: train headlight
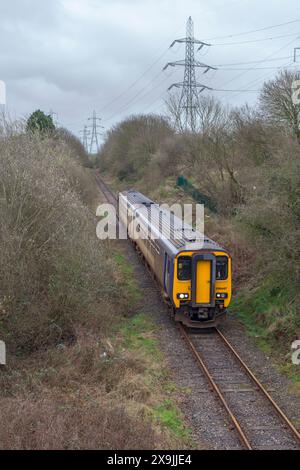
(222, 296)
(183, 296)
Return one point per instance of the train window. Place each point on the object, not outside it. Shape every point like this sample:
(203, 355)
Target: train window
(184, 272)
(222, 268)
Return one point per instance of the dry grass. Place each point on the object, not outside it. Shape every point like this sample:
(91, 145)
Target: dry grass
(49, 424)
(225, 232)
(66, 385)
(75, 398)
(96, 394)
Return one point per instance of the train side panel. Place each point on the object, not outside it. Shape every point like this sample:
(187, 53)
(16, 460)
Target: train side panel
(196, 282)
(151, 249)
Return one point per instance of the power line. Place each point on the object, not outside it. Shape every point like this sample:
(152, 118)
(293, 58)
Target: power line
(137, 97)
(131, 100)
(253, 61)
(135, 82)
(266, 58)
(235, 91)
(254, 30)
(124, 92)
(255, 40)
(257, 80)
(190, 42)
(153, 102)
(254, 68)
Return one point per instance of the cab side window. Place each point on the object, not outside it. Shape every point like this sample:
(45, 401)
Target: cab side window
(184, 271)
(222, 268)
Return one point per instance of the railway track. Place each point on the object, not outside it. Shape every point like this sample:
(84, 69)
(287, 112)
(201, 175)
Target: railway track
(258, 421)
(108, 194)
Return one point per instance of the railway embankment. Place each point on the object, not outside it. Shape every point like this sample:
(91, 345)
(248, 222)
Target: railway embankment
(201, 407)
(243, 162)
(83, 368)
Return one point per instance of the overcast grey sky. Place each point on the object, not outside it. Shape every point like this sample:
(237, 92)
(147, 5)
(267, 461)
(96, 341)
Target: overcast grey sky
(73, 56)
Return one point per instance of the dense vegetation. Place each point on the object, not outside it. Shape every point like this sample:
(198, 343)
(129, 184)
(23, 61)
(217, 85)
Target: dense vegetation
(40, 123)
(247, 162)
(70, 380)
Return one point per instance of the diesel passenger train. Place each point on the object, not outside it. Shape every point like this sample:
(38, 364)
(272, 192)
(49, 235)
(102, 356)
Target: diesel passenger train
(194, 272)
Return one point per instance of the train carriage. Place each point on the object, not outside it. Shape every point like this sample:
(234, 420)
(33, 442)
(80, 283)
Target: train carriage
(193, 271)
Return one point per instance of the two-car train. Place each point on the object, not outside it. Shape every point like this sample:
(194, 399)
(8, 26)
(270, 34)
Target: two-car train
(194, 272)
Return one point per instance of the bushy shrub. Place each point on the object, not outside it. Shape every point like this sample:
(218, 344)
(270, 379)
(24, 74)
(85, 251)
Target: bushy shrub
(130, 146)
(40, 123)
(53, 270)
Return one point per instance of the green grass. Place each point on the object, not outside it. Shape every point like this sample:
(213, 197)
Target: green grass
(168, 416)
(292, 371)
(127, 272)
(138, 335)
(242, 309)
(272, 320)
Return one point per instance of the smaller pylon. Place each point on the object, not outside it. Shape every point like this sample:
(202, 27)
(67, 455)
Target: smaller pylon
(85, 134)
(95, 134)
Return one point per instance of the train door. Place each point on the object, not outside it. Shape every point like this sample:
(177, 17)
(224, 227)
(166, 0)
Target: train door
(203, 280)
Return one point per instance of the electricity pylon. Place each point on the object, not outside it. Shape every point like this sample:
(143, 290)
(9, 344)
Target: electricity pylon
(190, 87)
(95, 133)
(85, 134)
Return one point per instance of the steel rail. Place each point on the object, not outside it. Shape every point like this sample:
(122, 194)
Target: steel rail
(260, 386)
(234, 420)
(242, 436)
(105, 189)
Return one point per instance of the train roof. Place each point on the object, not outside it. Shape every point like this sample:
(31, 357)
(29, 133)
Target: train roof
(177, 235)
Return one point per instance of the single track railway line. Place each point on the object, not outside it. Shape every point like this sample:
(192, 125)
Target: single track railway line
(254, 415)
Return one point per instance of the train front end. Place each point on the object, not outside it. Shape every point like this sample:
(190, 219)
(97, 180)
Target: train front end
(202, 287)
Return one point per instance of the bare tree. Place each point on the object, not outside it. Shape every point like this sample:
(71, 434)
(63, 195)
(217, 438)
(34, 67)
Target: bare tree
(209, 113)
(175, 112)
(277, 101)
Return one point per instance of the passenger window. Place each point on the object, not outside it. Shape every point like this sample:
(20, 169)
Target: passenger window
(222, 268)
(184, 272)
